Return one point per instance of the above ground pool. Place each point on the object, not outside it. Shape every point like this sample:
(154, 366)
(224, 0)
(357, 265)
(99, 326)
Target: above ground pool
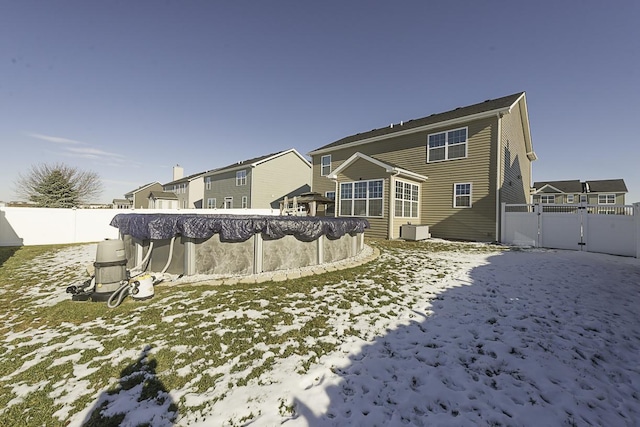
(190, 244)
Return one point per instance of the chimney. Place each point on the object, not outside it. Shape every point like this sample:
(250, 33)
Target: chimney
(178, 172)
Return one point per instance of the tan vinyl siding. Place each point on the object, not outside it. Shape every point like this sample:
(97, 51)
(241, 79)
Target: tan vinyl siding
(277, 178)
(224, 185)
(363, 170)
(436, 198)
(515, 166)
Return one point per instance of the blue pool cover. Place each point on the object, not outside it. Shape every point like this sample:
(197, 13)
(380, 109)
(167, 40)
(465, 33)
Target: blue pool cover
(235, 228)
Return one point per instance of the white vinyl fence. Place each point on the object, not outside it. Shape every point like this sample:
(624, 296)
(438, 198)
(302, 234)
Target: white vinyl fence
(47, 226)
(611, 229)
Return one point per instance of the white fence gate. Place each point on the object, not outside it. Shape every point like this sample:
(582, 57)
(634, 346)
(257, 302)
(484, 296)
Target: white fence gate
(611, 229)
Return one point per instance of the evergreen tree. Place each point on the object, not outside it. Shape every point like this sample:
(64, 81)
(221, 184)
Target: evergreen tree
(58, 186)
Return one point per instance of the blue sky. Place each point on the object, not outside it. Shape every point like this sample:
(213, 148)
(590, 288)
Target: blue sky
(127, 89)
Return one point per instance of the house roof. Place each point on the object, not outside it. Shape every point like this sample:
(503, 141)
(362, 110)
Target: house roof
(186, 178)
(606, 186)
(489, 106)
(575, 186)
(256, 161)
(570, 186)
(142, 187)
(386, 166)
(163, 195)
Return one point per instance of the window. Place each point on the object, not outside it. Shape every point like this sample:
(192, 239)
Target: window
(228, 202)
(606, 199)
(211, 203)
(325, 165)
(361, 198)
(570, 198)
(447, 145)
(241, 177)
(184, 204)
(583, 198)
(406, 200)
(244, 202)
(462, 195)
(331, 208)
(547, 199)
(207, 183)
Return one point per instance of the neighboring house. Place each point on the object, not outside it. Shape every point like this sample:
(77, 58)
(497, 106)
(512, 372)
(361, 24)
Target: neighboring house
(189, 190)
(595, 192)
(450, 171)
(163, 200)
(121, 204)
(139, 198)
(261, 182)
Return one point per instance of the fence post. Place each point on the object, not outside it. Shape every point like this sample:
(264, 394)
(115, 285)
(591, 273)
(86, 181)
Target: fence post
(537, 209)
(636, 223)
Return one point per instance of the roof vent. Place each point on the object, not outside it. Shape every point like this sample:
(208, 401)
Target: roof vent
(391, 125)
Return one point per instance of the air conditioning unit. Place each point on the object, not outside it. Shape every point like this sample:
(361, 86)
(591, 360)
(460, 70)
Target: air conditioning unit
(414, 232)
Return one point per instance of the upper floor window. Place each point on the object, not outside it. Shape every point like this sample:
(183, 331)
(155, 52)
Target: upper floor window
(207, 183)
(325, 165)
(606, 199)
(462, 195)
(406, 200)
(547, 199)
(241, 177)
(361, 198)
(570, 198)
(447, 145)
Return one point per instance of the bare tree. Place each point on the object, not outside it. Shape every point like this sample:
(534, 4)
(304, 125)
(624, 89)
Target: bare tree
(58, 186)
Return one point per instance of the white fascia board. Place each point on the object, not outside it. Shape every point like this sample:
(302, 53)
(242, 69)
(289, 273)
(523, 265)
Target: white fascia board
(445, 123)
(386, 167)
(548, 186)
(291, 150)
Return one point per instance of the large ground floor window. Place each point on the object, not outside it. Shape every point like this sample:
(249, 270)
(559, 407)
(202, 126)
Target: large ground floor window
(361, 198)
(407, 195)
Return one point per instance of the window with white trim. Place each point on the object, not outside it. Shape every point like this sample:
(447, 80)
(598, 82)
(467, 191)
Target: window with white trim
(447, 145)
(547, 199)
(207, 183)
(211, 203)
(325, 165)
(245, 202)
(583, 198)
(462, 195)
(330, 210)
(570, 198)
(184, 204)
(406, 199)
(228, 202)
(241, 177)
(361, 198)
(606, 199)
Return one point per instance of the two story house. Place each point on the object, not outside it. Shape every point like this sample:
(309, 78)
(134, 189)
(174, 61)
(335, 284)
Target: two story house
(260, 182)
(593, 192)
(188, 190)
(450, 171)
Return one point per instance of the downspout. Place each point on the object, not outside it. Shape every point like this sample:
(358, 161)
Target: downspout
(392, 205)
(498, 174)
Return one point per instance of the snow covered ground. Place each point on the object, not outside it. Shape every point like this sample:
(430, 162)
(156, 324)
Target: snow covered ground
(504, 338)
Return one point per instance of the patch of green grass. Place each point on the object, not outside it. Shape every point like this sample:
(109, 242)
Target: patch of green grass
(204, 338)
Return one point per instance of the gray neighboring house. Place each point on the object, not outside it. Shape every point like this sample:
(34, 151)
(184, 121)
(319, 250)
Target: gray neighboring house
(189, 189)
(593, 192)
(139, 198)
(258, 183)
